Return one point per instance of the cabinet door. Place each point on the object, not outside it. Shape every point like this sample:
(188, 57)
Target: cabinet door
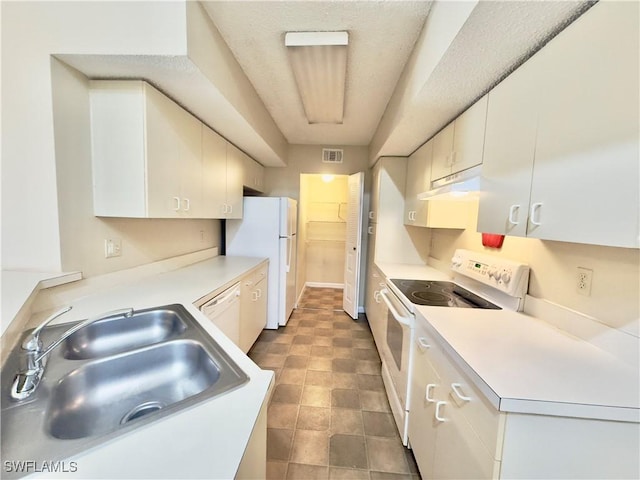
(426, 390)
(214, 173)
(468, 136)
(234, 182)
(163, 151)
(585, 179)
(189, 130)
(509, 147)
(442, 151)
(418, 181)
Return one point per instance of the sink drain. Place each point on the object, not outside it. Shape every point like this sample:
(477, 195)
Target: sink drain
(141, 410)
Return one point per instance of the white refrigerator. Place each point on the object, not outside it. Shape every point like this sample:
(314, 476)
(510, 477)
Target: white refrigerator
(268, 229)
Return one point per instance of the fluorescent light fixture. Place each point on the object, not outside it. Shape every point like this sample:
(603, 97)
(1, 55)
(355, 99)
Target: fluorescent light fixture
(319, 63)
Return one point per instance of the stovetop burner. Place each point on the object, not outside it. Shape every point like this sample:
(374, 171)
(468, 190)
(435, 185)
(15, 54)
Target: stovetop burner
(441, 294)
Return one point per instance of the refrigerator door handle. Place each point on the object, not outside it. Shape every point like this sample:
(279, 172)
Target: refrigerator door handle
(289, 250)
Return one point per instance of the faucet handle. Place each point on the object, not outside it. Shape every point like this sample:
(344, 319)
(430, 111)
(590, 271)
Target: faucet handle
(32, 343)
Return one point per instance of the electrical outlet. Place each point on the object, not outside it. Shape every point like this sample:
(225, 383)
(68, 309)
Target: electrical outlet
(583, 286)
(112, 247)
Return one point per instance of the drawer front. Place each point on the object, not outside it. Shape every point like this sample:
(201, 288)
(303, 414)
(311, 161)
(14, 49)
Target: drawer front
(462, 394)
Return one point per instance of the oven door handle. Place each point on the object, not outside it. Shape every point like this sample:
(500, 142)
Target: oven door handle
(404, 320)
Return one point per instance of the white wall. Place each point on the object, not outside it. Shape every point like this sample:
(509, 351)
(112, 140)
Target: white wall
(31, 32)
(615, 291)
(82, 234)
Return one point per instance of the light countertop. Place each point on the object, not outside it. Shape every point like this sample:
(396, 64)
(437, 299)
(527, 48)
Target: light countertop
(207, 440)
(525, 364)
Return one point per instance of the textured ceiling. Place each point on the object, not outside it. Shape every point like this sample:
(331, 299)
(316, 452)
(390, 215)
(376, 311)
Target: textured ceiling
(497, 36)
(381, 38)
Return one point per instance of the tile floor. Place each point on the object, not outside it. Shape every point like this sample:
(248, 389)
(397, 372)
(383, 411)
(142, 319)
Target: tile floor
(329, 417)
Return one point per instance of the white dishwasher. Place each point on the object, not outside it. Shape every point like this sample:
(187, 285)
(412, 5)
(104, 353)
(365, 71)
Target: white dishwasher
(224, 311)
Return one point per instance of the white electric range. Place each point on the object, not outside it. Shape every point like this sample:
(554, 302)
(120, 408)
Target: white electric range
(479, 281)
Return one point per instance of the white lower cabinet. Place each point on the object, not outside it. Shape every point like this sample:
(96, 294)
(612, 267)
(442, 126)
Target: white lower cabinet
(253, 307)
(374, 307)
(452, 432)
(456, 433)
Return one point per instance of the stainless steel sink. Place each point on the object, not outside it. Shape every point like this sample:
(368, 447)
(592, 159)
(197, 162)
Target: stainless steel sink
(104, 390)
(110, 336)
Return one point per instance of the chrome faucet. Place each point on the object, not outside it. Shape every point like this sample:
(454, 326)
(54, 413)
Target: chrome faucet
(27, 380)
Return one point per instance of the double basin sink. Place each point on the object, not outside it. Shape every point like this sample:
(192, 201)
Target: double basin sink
(110, 377)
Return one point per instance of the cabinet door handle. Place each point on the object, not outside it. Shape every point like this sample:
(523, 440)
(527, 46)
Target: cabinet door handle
(456, 389)
(230, 209)
(535, 208)
(427, 392)
(512, 214)
(188, 204)
(370, 230)
(370, 214)
(223, 207)
(259, 292)
(422, 343)
(177, 207)
(376, 296)
(255, 296)
(437, 415)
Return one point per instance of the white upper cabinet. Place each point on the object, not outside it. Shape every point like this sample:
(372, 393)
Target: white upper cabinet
(146, 153)
(252, 174)
(508, 153)
(565, 126)
(153, 159)
(418, 181)
(459, 145)
(234, 182)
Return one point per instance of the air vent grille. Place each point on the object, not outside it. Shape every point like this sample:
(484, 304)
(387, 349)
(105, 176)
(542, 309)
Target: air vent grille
(332, 155)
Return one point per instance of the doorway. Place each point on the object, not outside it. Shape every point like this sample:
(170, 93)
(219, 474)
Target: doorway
(326, 250)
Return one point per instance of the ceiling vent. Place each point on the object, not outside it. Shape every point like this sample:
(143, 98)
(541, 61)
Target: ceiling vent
(332, 155)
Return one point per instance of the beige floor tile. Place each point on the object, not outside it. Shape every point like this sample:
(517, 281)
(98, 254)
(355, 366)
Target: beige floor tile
(386, 455)
(347, 421)
(379, 424)
(348, 451)
(345, 398)
(316, 396)
(313, 418)
(310, 447)
(304, 350)
(282, 415)
(307, 472)
(316, 363)
(319, 378)
(292, 376)
(276, 470)
(336, 473)
(279, 443)
(373, 401)
(345, 380)
(284, 393)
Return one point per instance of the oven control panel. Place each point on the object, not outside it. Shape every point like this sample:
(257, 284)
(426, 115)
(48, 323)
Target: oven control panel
(506, 275)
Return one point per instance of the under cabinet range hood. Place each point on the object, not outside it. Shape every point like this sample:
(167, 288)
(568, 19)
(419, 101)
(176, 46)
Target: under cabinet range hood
(457, 186)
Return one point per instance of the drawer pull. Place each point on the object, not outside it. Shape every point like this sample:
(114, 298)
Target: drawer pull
(259, 292)
(437, 413)
(422, 343)
(427, 392)
(456, 389)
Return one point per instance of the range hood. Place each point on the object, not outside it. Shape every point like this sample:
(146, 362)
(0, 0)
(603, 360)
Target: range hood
(457, 186)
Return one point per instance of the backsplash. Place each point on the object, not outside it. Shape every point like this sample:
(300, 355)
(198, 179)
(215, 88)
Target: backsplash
(615, 290)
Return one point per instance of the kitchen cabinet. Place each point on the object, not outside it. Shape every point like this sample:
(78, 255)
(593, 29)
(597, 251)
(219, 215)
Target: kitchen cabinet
(230, 182)
(418, 181)
(253, 306)
(394, 241)
(146, 153)
(252, 174)
(453, 430)
(433, 213)
(564, 126)
(222, 176)
(459, 145)
(153, 159)
(374, 307)
(456, 432)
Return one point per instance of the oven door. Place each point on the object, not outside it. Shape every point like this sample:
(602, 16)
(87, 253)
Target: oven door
(396, 358)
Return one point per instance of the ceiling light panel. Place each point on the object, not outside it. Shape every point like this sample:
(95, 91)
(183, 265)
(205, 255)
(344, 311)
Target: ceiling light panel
(319, 64)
